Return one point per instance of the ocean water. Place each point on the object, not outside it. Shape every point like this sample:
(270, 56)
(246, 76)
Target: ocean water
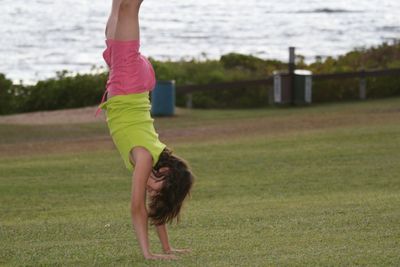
(40, 37)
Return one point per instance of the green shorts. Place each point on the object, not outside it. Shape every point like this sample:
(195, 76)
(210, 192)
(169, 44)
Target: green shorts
(130, 125)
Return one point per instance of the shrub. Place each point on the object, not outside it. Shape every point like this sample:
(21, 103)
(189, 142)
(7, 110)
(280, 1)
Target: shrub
(6, 95)
(66, 91)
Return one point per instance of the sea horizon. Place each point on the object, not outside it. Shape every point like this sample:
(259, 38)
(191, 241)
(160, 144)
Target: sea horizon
(46, 37)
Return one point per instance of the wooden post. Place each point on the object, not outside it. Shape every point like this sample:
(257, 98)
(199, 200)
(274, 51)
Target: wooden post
(189, 100)
(291, 66)
(363, 86)
(271, 96)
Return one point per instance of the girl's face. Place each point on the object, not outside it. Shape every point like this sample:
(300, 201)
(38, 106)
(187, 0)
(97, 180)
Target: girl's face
(154, 184)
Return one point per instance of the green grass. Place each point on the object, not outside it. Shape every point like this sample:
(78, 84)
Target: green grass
(323, 197)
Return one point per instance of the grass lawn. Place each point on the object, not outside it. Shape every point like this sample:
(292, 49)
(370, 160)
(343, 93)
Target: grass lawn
(315, 186)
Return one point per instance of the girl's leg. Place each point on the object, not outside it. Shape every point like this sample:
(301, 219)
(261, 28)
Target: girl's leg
(123, 22)
(128, 21)
(112, 21)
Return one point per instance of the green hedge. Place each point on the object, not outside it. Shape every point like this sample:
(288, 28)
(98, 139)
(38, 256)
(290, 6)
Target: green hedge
(66, 91)
(7, 97)
(383, 56)
(57, 93)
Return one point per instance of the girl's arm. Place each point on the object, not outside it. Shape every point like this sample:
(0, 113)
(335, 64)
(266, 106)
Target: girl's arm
(163, 236)
(138, 205)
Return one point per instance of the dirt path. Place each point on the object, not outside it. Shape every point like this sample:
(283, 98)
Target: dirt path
(65, 116)
(77, 115)
(225, 130)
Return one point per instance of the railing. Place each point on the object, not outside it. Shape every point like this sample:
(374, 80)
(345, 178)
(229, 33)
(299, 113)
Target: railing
(362, 75)
(189, 89)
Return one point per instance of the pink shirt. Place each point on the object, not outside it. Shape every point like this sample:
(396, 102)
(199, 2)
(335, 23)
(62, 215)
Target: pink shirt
(130, 72)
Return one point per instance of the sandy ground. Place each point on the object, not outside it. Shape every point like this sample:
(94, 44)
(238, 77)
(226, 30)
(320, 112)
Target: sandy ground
(78, 115)
(66, 116)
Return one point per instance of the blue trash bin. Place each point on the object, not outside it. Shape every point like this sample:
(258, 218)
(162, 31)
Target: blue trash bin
(163, 99)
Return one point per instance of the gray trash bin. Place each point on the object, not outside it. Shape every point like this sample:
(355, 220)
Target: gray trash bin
(282, 91)
(302, 87)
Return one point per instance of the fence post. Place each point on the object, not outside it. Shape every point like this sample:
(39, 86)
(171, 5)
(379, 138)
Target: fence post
(271, 95)
(363, 85)
(291, 69)
(189, 100)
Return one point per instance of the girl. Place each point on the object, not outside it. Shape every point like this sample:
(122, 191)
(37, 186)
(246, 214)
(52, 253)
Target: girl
(158, 175)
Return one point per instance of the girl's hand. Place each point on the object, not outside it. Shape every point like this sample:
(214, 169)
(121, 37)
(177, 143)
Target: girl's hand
(177, 250)
(160, 257)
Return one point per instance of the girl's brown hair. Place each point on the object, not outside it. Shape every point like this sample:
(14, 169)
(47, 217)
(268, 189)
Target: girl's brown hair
(178, 181)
